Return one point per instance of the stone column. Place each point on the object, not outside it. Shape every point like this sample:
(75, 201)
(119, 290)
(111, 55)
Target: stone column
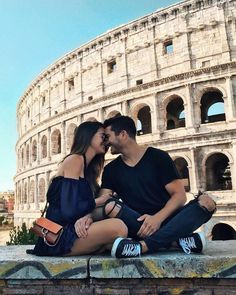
(63, 101)
(153, 47)
(189, 108)
(125, 108)
(36, 192)
(81, 80)
(49, 144)
(28, 193)
(193, 172)
(79, 119)
(233, 168)
(49, 96)
(38, 149)
(30, 152)
(101, 114)
(126, 69)
(101, 86)
(230, 108)
(63, 138)
(154, 115)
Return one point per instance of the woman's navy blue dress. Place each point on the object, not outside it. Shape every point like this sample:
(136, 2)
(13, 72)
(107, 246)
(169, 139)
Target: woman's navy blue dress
(69, 199)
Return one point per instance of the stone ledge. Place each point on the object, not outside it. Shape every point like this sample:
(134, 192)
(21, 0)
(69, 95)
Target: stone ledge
(218, 261)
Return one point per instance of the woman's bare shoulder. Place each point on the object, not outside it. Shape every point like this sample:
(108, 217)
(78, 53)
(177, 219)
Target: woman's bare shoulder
(72, 166)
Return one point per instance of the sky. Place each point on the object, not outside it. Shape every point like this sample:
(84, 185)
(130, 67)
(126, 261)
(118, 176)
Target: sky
(33, 35)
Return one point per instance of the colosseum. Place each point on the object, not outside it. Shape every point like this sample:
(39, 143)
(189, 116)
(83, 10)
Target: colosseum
(174, 72)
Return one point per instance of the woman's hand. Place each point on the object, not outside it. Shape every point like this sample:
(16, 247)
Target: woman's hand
(102, 199)
(82, 225)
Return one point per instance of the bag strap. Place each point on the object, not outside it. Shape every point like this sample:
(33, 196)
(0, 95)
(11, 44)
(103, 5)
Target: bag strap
(85, 165)
(45, 209)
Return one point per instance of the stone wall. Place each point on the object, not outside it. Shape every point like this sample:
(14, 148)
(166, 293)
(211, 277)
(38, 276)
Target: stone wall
(213, 272)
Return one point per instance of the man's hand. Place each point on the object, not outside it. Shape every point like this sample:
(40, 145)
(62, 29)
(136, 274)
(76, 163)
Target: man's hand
(82, 225)
(151, 223)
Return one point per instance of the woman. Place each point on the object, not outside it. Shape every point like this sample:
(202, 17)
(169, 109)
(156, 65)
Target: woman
(76, 179)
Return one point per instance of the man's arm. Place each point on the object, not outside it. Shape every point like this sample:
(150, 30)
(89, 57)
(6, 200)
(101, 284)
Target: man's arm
(104, 195)
(177, 199)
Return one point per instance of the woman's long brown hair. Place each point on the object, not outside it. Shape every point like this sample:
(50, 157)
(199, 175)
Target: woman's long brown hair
(82, 139)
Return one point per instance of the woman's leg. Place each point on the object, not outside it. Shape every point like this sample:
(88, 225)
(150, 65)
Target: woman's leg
(100, 234)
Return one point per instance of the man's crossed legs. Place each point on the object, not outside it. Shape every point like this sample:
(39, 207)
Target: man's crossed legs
(176, 230)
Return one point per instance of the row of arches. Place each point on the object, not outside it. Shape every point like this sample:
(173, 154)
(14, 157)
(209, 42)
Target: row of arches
(211, 110)
(217, 174)
(30, 151)
(27, 190)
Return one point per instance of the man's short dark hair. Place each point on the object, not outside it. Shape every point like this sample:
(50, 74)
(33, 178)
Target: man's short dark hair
(121, 123)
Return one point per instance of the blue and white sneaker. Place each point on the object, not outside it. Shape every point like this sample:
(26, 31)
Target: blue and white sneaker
(193, 244)
(126, 248)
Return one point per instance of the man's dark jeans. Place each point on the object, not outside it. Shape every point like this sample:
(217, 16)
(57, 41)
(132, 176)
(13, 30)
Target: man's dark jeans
(179, 225)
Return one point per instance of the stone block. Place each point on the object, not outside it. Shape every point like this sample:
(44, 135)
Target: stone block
(218, 261)
(16, 264)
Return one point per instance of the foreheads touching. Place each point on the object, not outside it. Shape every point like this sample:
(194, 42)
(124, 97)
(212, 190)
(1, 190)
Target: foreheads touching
(121, 123)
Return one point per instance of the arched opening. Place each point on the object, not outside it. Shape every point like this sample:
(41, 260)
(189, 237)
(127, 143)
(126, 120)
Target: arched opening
(223, 231)
(113, 114)
(144, 121)
(218, 174)
(31, 192)
(70, 136)
(42, 190)
(56, 142)
(182, 167)
(91, 119)
(44, 147)
(34, 150)
(212, 107)
(175, 113)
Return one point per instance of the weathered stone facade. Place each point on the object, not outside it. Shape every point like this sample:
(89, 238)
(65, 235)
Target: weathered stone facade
(167, 70)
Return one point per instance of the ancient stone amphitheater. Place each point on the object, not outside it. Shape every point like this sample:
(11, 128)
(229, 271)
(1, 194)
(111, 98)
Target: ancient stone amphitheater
(173, 71)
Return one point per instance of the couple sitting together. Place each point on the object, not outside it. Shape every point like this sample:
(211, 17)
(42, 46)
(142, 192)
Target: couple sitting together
(141, 197)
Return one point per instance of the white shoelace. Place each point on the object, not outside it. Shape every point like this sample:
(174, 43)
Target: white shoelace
(131, 250)
(187, 244)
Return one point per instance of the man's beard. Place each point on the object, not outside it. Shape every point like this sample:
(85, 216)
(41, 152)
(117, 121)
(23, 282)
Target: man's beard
(114, 150)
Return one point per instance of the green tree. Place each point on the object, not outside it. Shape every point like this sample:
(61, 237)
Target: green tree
(21, 236)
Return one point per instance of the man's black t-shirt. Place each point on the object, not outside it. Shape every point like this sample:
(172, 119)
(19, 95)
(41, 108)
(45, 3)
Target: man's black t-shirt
(142, 187)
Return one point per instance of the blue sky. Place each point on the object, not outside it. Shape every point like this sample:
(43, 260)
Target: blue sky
(34, 34)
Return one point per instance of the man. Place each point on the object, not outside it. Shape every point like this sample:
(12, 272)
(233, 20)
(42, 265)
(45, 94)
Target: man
(152, 195)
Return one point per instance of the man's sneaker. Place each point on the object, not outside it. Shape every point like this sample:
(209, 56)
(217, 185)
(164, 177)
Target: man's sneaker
(125, 248)
(194, 243)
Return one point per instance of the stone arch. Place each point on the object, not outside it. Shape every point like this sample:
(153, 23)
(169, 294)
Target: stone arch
(70, 135)
(31, 191)
(34, 150)
(175, 112)
(217, 172)
(56, 142)
(91, 119)
(143, 119)
(42, 190)
(44, 143)
(25, 193)
(212, 106)
(113, 114)
(182, 166)
(223, 231)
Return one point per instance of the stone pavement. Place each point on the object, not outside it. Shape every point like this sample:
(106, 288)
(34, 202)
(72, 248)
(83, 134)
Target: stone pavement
(218, 261)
